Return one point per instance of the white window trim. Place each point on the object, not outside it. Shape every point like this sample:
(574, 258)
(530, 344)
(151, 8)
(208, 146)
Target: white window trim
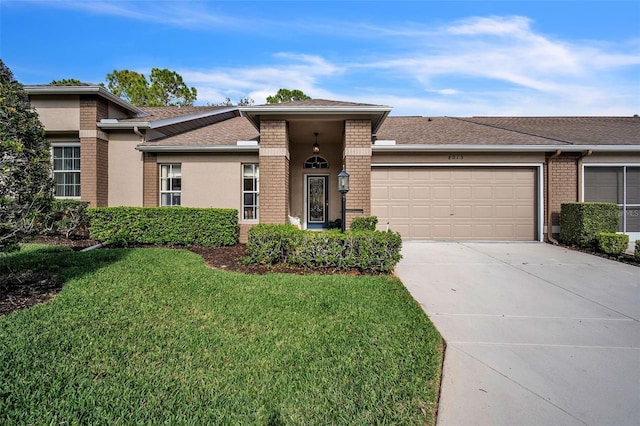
(53, 171)
(256, 167)
(170, 191)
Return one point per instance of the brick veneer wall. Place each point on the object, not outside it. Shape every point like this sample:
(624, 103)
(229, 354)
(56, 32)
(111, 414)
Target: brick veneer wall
(94, 152)
(150, 180)
(357, 160)
(274, 171)
(564, 181)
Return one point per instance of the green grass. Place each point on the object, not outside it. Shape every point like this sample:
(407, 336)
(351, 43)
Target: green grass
(149, 336)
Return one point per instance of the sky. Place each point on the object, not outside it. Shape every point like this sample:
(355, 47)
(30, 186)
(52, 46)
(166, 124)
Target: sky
(426, 58)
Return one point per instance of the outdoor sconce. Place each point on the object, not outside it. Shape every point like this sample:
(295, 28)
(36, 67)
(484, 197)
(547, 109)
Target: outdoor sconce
(316, 147)
(343, 188)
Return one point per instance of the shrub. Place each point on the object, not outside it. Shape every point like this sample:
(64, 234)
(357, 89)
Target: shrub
(164, 225)
(365, 250)
(269, 244)
(636, 252)
(364, 223)
(580, 223)
(612, 243)
(68, 218)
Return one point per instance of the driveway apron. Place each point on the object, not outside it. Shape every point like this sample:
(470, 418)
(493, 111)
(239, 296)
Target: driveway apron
(536, 334)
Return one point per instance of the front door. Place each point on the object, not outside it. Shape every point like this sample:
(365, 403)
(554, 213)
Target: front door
(317, 202)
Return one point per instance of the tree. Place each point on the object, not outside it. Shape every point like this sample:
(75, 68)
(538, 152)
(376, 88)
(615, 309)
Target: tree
(286, 95)
(66, 82)
(169, 89)
(129, 85)
(246, 101)
(25, 164)
(164, 88)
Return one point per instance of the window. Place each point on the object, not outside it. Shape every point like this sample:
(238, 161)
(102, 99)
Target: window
(170, 184)
(616, 184)
(316, 162)
(250, 191)
(66, 171)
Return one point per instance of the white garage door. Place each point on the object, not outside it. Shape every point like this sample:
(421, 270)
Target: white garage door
(456, 203)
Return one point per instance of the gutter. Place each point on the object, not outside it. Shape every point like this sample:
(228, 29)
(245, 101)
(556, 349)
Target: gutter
(503, 148)
(550, 198)
(204, 148)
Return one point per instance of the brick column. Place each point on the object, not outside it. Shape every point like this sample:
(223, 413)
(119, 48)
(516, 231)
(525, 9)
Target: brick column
(357, 160)
(150, 180)
(274, 171)
(564, 184)
(94, 152)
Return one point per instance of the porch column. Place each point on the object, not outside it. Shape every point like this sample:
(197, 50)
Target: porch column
(274, 171)
(94, 152)
(357, 160)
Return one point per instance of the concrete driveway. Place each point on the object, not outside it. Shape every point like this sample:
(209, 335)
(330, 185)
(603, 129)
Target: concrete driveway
(536, 334)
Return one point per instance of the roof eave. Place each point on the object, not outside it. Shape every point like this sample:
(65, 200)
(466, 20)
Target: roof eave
(84, 90)
(252, 113)
(205, 148)
(504, 148)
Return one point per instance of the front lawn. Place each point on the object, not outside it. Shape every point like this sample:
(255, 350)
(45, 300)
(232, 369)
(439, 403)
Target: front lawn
(153, 336)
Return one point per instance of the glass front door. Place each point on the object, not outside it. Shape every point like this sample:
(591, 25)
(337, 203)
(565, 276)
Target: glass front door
(317, 202)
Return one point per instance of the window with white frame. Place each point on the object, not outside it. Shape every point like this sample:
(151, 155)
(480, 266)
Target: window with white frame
(616, 184)
(250, 191)
(170, 184)
(66, 170)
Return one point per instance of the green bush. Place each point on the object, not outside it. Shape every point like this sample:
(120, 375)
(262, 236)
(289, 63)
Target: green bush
(269, 244)
(364, 250)
(580, 223)
(636, 252)
(364, 223)
(612, 243)
(68, 218)
(164, 225)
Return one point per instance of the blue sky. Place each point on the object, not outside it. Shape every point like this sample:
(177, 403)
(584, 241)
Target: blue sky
(430, 58)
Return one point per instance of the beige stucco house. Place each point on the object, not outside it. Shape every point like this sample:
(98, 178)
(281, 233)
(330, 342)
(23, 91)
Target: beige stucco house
(440, 178)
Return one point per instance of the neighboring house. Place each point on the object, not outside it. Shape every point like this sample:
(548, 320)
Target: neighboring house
(479, 178)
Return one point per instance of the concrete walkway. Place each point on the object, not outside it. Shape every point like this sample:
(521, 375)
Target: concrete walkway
(536, 334)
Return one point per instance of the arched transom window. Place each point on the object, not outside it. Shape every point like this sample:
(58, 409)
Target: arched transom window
(316, 162)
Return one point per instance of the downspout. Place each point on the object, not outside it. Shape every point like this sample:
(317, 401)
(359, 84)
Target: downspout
(139, 133)
(581, 174)
(550, 199)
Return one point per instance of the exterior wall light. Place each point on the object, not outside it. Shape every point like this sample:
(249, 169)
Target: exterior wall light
(343, 188)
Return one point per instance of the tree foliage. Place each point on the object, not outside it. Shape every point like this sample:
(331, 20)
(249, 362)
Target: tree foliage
(25, 164)
(246, 101)
(67, 82)
(164, 88)
(286, 95)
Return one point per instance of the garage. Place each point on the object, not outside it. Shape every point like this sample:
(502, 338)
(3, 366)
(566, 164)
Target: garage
(457, 203)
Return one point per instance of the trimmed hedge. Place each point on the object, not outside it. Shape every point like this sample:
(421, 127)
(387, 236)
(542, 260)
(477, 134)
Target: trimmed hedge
(67, 217)
(580, 223)
(164, 226)
(364, 250)
(612, 243)
(364, 223)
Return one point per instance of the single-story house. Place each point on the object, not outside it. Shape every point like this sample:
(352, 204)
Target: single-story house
(432, 178)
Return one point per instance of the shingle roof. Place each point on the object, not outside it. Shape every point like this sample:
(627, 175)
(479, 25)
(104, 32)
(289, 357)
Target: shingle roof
(450, 131)
(573, 130)
(318, 103)
(162, 113)
(226, 132)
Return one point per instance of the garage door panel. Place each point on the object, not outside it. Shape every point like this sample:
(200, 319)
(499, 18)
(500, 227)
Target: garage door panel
(464, 203)
(421, 212)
